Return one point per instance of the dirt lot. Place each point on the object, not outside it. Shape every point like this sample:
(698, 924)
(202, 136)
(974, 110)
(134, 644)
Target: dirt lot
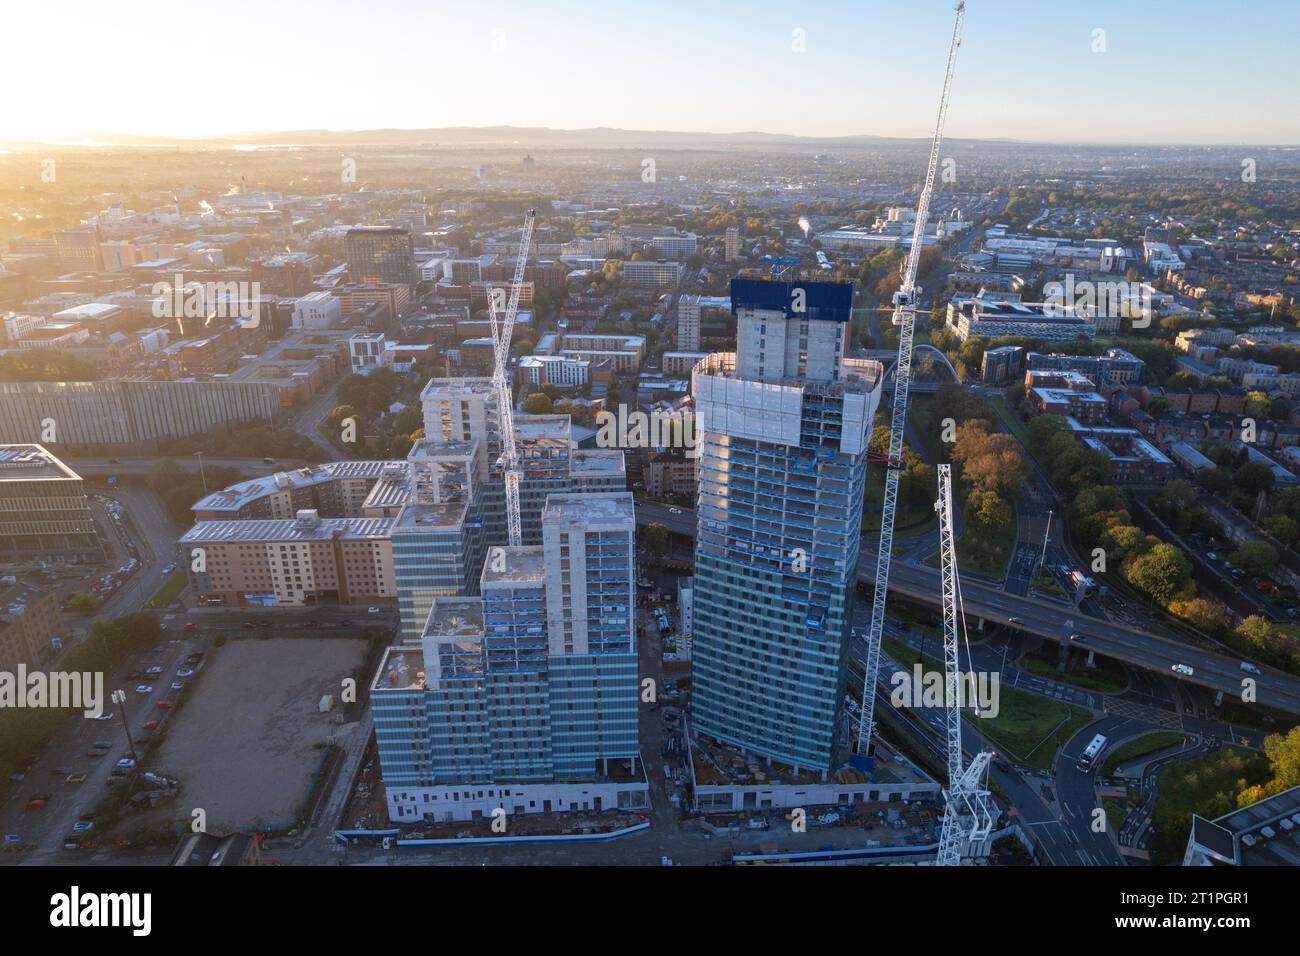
(246, 742)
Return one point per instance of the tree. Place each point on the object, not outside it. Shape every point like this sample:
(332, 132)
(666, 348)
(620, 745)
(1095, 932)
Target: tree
(1253, 477)
(1043, 428)
(1203, 614)
(1256, 558)
(1258, 632)
(1163, 573)
(408, 420)
(656, 539)
(1284, 757)
(1283, 527)
(1257, 404)
(538, 404)
(987, 512)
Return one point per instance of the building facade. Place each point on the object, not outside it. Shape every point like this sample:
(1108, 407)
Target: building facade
(785, 423)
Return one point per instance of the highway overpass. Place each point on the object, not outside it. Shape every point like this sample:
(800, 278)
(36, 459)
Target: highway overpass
(1056, 622)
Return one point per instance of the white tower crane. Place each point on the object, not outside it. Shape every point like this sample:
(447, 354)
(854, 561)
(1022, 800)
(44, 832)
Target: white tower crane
(967, 819)
(501, 334)
(905, 317)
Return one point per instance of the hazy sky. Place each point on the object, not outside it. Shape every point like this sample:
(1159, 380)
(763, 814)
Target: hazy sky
(1194, 71)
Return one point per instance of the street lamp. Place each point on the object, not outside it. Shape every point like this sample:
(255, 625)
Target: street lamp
(119, 697)
(202, 473)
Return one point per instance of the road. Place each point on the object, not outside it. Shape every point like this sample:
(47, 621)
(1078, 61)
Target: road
(1053, 621)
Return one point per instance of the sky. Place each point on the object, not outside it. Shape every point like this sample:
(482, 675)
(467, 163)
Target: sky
(1149, 71)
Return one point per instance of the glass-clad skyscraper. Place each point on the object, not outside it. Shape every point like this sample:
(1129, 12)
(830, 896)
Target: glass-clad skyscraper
(785, 422)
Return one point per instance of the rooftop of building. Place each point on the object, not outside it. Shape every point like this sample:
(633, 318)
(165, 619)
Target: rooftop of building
(453, 619)
(401, 668)
(26, 462)
(480, 385)
(820, 300)
(1264, 833)
(514, 565)
(581, 511)
(242, 493)
(590, 462)
(290, 529)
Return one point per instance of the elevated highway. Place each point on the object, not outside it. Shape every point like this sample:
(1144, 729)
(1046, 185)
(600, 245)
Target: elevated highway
(1055, 621)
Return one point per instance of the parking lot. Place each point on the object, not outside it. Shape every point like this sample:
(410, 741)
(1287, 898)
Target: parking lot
(250, 736)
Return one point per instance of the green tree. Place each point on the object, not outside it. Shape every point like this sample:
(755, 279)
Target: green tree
(656, 539)
(1283, 527)
(1256, 558)
(1163, 573)
(538, 403)
(1258, 632)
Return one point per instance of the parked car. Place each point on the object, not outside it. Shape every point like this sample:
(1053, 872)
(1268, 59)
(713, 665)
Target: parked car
(153, 670)
(191, 625)
(185, 672)
(164, 705)
(372, 610)
(106, 715)
(126, 763)
(151, 725)
(76, 778)
(144, 689)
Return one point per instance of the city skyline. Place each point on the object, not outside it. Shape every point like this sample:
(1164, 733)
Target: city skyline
(841, 70)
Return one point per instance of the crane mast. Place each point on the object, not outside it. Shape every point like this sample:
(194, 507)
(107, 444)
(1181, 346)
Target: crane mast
(967, 819)
(501, 334)
(905, 318)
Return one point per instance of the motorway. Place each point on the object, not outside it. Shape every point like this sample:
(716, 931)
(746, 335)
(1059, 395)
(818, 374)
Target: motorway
(1054, 621)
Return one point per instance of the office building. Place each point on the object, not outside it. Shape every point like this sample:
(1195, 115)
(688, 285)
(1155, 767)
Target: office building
(379, 254)
(784, 423)
(731, 244)
(992, 319)
(44, 510)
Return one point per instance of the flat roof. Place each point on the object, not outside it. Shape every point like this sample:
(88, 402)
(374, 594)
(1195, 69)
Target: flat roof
(585, 510)
(289, 529)
(401, 668)
(524, 564)
(242, 493)
(25, 462)
(455, 618)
